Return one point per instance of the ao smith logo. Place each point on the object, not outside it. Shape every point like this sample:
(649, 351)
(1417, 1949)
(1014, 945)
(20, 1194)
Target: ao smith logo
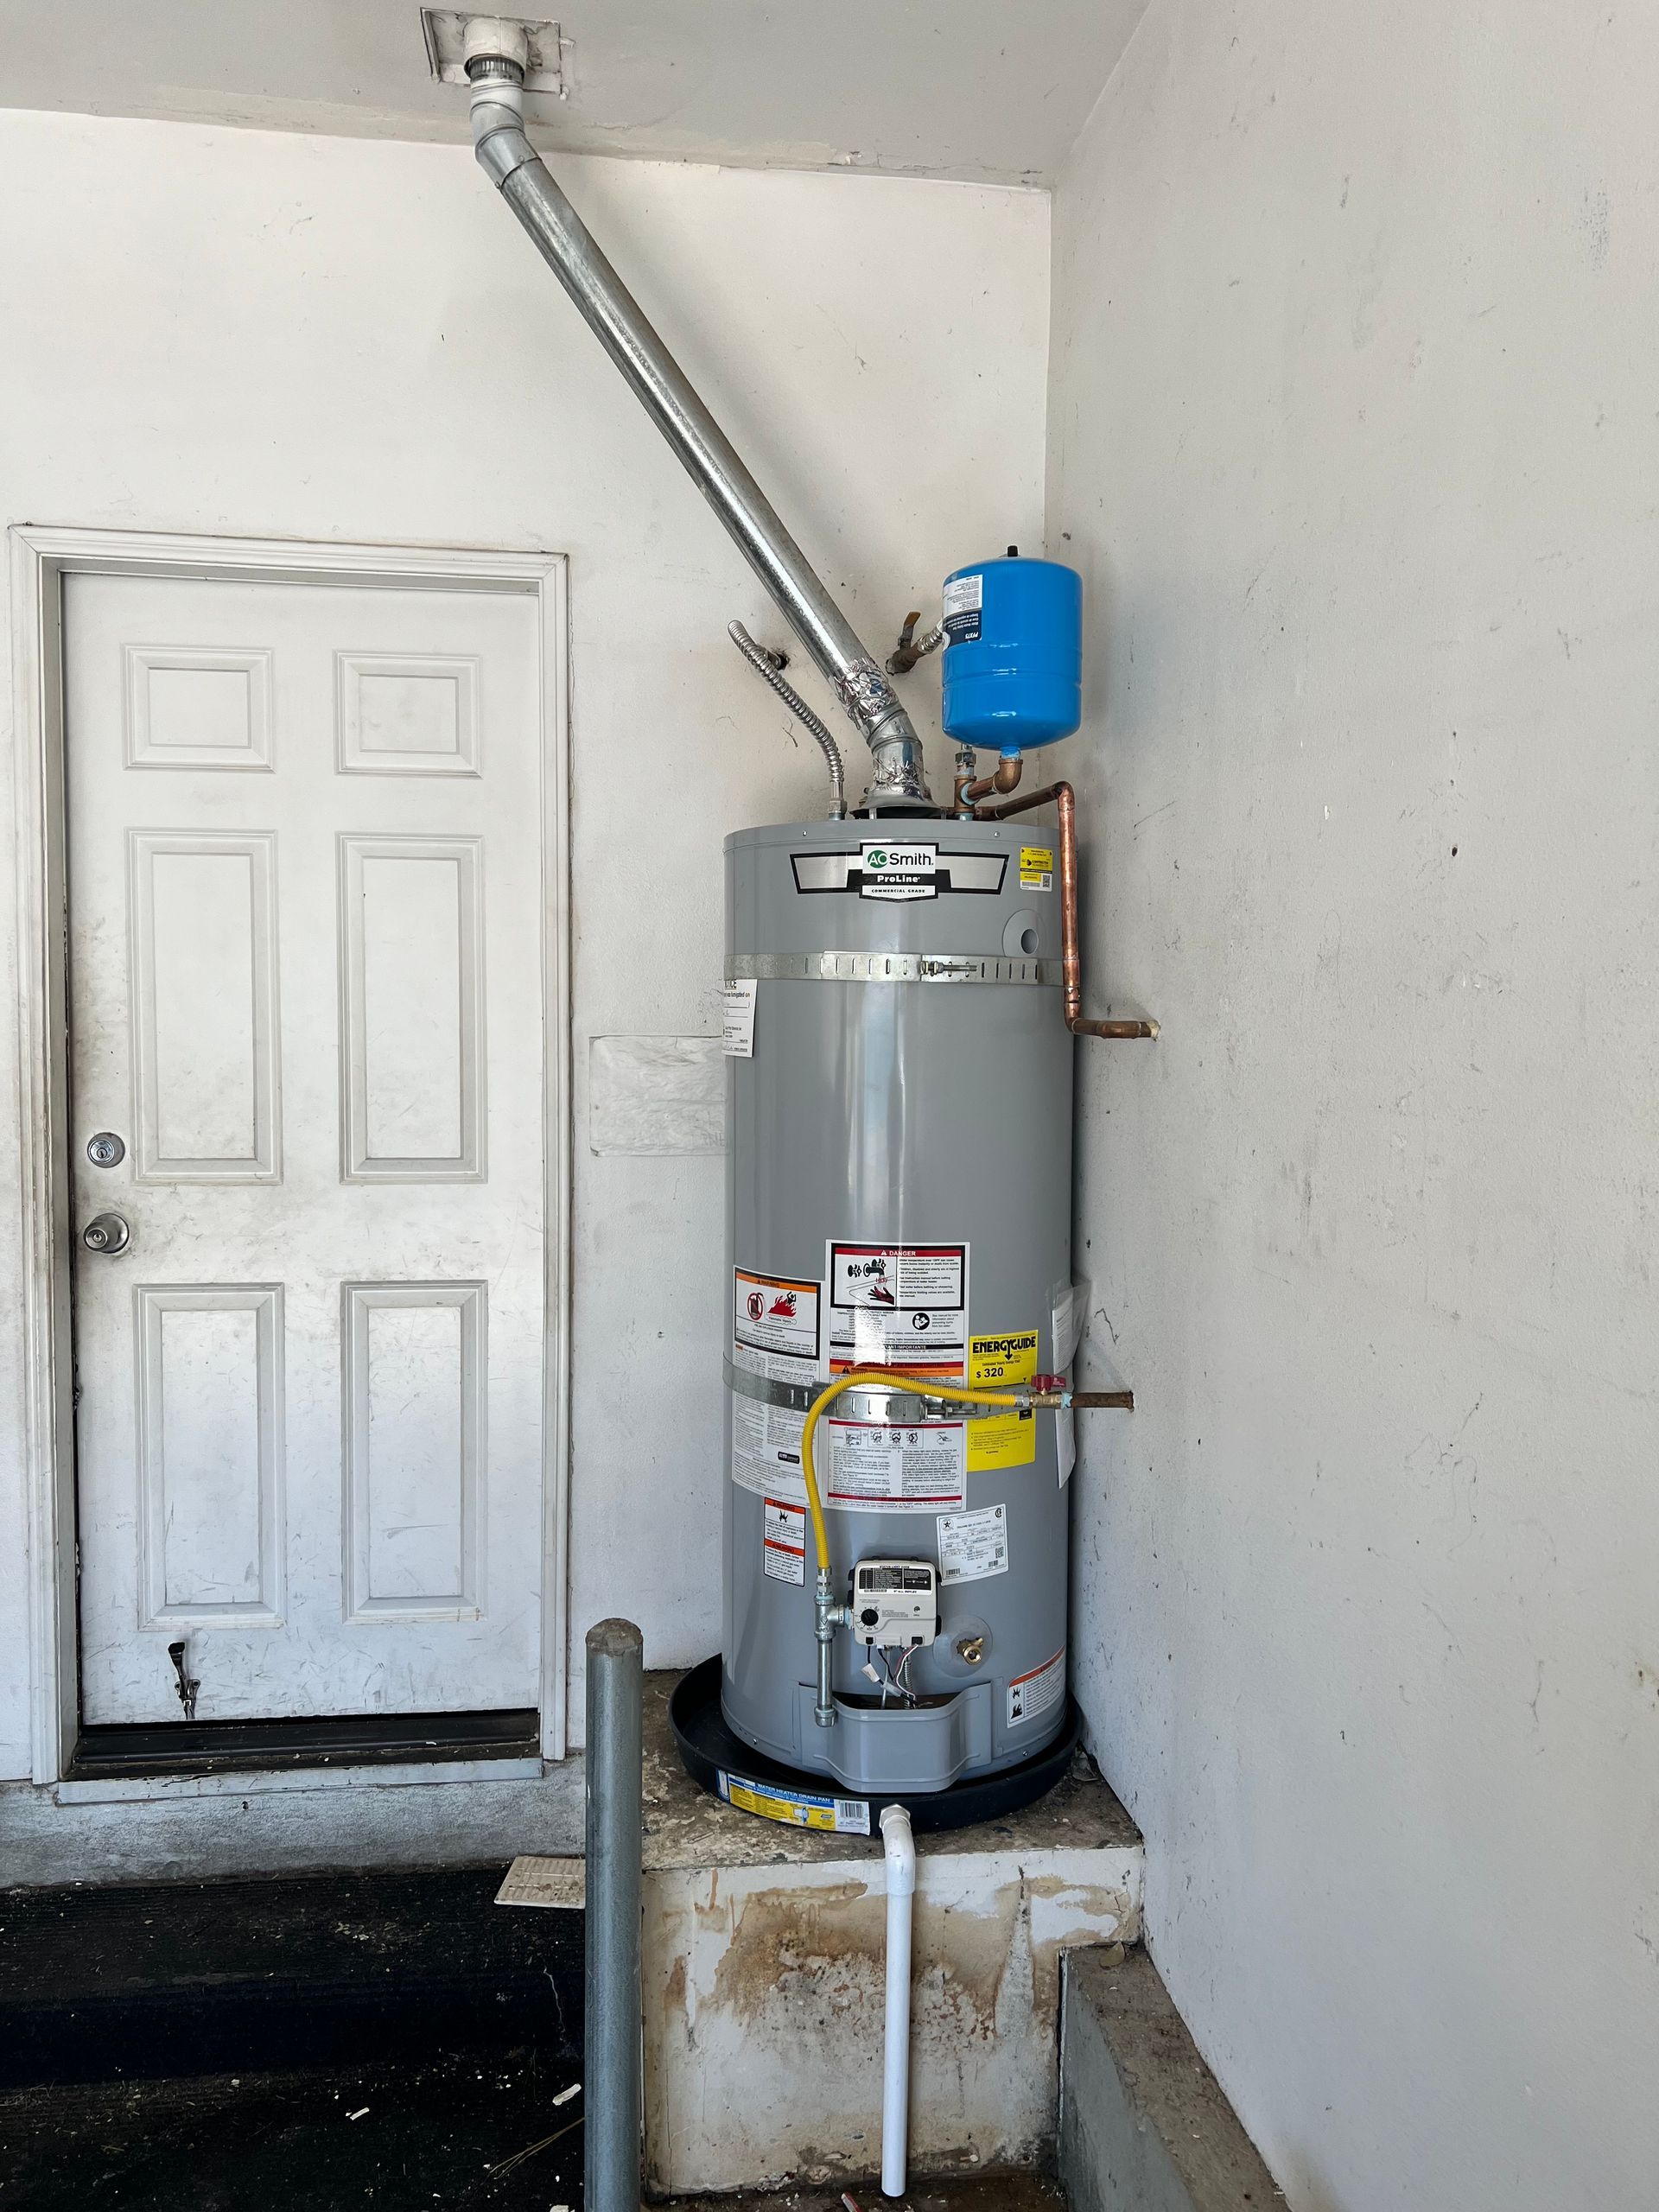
(915, 860)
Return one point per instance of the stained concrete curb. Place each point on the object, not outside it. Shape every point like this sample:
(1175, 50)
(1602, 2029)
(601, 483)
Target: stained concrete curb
(1144, 2126)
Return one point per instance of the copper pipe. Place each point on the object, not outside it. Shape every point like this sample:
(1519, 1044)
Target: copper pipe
(1006, 774)
(1065, 806)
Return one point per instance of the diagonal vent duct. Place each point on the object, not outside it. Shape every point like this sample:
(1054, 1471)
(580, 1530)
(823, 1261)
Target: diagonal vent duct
(495, 64)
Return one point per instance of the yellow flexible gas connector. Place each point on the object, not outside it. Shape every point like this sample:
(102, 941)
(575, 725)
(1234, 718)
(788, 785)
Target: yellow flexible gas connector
(865, 1379)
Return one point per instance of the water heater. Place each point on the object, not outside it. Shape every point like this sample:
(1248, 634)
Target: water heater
(899, 1195)
(895, 1299)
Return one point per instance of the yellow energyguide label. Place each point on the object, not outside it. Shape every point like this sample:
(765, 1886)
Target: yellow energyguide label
(1002, 1440)
(1037, 867)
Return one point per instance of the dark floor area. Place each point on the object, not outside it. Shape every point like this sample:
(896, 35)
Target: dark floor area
(393, 2041)
(339, 2043)
(398, 2136)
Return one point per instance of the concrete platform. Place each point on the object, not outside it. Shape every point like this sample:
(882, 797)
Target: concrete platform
(764, 1949)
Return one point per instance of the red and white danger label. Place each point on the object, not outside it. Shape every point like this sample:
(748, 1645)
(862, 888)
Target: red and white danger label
(1030, 1694)
(783, 1540)
(898, 1305)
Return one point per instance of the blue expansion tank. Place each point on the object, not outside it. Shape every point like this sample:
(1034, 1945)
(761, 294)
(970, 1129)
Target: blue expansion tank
(1013, 655)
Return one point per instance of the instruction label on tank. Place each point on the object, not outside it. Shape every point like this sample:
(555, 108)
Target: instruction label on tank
(898, 1305)
(796, 1809)
(874, 1468)
(775, 1326)
(783, 1541)
(767, 1450)
(889, 871)
(1002, 1440)
(1035, 1693)
(1037, 867)
(974, 1545)
(737, 1018)
(963, 598)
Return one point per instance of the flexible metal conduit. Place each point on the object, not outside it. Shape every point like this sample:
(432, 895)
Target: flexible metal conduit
(770, 667)
(610, 311)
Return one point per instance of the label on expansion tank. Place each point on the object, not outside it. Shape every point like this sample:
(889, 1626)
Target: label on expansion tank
(962, 599)
(898, 1305)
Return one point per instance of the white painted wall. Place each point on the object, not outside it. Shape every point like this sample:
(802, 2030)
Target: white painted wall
(223, 330)
(1353, 432)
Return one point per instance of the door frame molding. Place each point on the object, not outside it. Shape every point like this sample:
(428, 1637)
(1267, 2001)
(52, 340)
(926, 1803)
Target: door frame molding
(40, 557)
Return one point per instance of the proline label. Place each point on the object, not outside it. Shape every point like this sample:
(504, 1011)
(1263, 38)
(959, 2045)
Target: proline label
(897, 871)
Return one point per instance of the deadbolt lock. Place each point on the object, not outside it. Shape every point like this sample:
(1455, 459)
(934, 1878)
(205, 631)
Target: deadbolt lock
(105, 1149)
(107, 1232)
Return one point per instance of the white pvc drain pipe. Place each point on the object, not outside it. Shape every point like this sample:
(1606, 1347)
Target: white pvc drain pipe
(900, 1848)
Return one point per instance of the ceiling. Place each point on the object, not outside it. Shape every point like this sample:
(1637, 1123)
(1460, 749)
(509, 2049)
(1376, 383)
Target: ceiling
(995, 90)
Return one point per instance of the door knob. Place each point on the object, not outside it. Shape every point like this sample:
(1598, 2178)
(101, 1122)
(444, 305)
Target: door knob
(107, 1232)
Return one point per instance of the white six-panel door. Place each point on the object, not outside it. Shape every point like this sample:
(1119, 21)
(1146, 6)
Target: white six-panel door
(306, 896)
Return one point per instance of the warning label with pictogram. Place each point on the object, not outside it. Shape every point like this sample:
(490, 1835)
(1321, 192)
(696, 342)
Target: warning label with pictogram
(876, 1468)
(775, 1326)
(898, 1305)
(1030, 1694)
(783, 1541)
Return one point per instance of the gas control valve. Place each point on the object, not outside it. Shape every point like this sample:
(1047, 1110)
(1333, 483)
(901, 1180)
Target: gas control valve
(895, 1602)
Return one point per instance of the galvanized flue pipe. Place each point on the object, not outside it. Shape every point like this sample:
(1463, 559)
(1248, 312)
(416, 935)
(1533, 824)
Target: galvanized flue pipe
(615, 1837)
(620, 324)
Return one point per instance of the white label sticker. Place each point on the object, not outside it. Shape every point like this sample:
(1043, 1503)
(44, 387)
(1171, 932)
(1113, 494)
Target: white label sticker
(767, 1450)
(960, 601)
(893, 871)
(898, 1305)
(737, 1018)
(783, 1542)
(1066, 1442)
(1030, 1694)
(875, 1469)
(974, 1545)
(775, 1326)
(1070, 1314)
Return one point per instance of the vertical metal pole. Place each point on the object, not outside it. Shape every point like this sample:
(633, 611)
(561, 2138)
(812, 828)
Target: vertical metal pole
(615, 1682)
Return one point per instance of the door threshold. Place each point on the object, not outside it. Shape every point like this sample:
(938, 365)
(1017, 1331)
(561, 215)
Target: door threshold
(128, 1752)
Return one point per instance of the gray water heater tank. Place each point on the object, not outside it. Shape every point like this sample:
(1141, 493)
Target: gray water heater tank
(898, 1189)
